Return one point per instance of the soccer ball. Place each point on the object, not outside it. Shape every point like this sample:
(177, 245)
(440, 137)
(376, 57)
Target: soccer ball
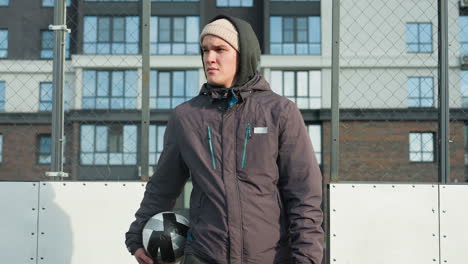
(164, 237)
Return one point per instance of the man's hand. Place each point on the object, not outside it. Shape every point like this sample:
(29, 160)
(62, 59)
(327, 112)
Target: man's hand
(142, 258)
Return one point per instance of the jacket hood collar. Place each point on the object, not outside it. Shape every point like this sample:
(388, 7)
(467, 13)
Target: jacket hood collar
(257, 83)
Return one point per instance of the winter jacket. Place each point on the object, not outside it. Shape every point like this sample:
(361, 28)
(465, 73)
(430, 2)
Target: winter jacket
(257, 187)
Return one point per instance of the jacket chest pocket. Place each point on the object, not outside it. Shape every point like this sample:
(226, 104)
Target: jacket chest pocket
(256, 146)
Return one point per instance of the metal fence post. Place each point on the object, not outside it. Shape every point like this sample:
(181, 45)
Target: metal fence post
(145, 107)
(444, 162)
(59, 27)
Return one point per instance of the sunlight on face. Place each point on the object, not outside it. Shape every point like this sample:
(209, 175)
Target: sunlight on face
(220, 61)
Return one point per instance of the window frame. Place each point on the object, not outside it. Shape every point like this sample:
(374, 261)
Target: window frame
(421, 150)
(155, 73)
(39, 151)
(296, 88)
(95, 44)
(420, 98)
(308, 43)
(110, 89)
(419, 43)
(108, 152)
(155, 45)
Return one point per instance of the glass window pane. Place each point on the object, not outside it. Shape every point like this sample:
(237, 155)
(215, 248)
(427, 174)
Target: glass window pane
(411, 33)
(289, 84)
(89, 83)
(302, 83)
(415, 142)
(427, 89)
(315, 83)
(276, 29)
(101, 138)
(103, 83)
(425, 32)
(428, 142)
(153, 83)
(130, 138)
(164, 29)
(164, 84)
(131, 83)
(90, 29)
(314, 29)
(117, 83)
(277, 82)
(87, 138)
(154, 29)
(104, 29)
(179, 29)
(178, 83)
(463, 23)
(413, 87)
(118, 29)
(192, 29)
(152, 138)
(132, 32)
(191, 83)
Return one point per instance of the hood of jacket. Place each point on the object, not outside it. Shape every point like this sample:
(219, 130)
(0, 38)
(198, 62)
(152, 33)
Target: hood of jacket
(249, 47)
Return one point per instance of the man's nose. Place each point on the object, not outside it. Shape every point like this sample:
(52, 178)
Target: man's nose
(210, 57)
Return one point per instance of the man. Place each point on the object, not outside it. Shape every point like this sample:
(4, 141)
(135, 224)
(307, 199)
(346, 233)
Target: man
(256, 182)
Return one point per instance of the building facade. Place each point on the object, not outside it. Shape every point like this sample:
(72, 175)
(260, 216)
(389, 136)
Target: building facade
(388, 82)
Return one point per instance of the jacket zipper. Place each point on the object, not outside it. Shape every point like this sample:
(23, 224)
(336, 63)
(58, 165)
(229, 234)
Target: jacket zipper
(211, 148)
(247, 135)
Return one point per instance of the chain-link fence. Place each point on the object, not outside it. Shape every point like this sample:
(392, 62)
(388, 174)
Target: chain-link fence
(388, 72)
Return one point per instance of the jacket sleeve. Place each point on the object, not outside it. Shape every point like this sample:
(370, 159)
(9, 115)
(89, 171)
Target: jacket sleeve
(300, 185)
(163, 188)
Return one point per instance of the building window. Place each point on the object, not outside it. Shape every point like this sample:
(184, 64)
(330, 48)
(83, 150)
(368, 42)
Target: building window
(47, 45)
(2, 95)
(295, 35)
(234, 3)
(175, 35)
(109, 89)
(464, 35)
(466, 144)
(420, 92)
(45, 99)
(464, 88)
(168, 89)
(315, 134)
(419, 37)
(421, 147)
(45, 146)
(3, 43)
(50, 3)
(111, 35)
(1, 148)
(301, 87)
(4, 2)
(108, 145)
(156, 142)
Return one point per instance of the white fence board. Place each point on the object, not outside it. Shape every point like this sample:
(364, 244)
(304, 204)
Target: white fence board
(454, 224)
(384, 223)
(18, 222)
(85, 222)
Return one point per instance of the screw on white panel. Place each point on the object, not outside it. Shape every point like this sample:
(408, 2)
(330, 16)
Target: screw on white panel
(414, 186)
(393, 186)
(334, 235)
(352, 186)
(334, 259)
(333, 186)
(142, 185)
(31, 258)
(84, 184)
(34, 209)
(445, 236)
(433, 235)
(443, 211)
(105, 184)
(445, 261)
(374, 186)
(123, 184)
(433, 210)
(64, 184)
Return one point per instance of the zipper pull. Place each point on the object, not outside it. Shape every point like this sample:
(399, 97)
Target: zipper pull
(249, 130)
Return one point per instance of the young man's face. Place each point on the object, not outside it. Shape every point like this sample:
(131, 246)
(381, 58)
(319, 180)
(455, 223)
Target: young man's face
(220, 61)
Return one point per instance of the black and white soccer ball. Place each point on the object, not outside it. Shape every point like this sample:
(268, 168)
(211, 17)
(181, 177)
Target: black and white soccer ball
(164, 237)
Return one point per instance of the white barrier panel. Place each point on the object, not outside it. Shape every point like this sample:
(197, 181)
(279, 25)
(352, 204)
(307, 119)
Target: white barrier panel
(454, 224)
(18, 222)
(85, 222)
(384, 224)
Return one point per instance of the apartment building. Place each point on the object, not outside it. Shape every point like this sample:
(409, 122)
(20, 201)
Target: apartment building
(388, 81)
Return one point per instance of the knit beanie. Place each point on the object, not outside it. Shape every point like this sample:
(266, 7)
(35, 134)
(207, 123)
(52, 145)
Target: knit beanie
(224, 29)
